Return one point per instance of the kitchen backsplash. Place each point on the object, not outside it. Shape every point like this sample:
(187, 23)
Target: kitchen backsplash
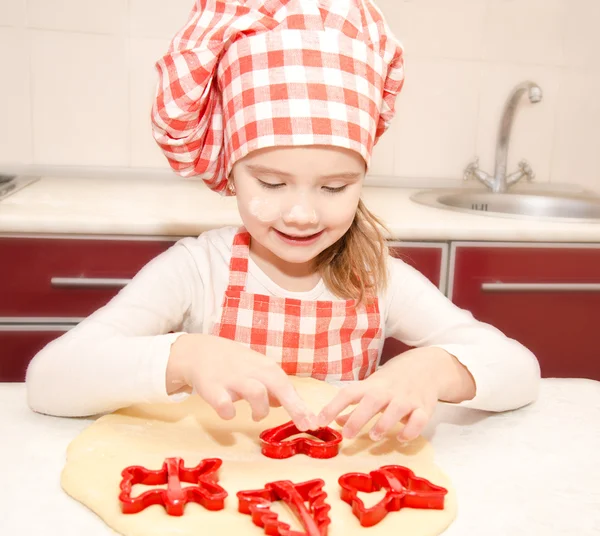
(78, 80)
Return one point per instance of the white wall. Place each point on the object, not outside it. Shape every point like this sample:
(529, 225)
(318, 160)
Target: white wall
(77, 79)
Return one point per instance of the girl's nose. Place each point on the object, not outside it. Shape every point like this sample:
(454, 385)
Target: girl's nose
(300, 212)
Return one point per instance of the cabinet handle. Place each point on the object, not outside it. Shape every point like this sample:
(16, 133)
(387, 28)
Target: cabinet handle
(540, 287)
(11, 328)
(88, 282)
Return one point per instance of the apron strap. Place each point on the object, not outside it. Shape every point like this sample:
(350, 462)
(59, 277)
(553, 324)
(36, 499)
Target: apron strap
(238, 265)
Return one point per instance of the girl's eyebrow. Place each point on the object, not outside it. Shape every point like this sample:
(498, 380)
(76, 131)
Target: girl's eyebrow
(344, 175)
(267, 170)
(272, 171)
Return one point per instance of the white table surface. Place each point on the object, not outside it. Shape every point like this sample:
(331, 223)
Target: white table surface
(535, 471)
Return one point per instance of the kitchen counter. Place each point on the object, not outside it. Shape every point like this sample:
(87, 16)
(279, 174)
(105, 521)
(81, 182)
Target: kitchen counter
(178, 207)
(531, 471)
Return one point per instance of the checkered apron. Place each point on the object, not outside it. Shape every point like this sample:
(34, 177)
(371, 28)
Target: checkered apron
(327, 340)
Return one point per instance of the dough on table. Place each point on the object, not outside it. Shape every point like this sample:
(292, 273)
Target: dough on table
(146, 434)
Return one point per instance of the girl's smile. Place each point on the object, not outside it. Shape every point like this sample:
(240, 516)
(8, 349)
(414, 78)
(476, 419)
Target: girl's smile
(299, 240)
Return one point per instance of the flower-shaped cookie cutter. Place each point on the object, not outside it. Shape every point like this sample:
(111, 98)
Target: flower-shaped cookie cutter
(306, 500)
(275, 442)
(204, 491)
(403, 490)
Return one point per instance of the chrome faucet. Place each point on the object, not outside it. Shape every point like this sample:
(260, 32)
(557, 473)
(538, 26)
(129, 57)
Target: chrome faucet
(500, 182)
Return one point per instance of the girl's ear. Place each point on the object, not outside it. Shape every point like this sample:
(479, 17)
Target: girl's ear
(231, 185)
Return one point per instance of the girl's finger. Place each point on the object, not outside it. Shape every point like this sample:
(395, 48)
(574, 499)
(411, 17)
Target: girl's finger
(414, 426)
(280, 387)
(395, 412)
(255, 393)
(366, 409)
(218, 398)
(346, 397)
(343, 419)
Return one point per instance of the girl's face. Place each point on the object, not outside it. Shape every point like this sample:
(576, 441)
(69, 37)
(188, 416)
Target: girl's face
(297, 201)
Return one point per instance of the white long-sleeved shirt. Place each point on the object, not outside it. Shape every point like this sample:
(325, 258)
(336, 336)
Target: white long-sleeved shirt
(118, 356)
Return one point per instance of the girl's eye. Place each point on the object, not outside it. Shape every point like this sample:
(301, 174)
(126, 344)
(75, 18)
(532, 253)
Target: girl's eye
(269, 185)
(336, 190)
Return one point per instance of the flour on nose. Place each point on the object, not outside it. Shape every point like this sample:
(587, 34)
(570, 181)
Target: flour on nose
(298, 212)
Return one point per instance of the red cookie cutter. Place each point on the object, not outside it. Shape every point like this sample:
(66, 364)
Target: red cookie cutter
(206, 491)
(314, 517)
(404, 490)
(275, 443)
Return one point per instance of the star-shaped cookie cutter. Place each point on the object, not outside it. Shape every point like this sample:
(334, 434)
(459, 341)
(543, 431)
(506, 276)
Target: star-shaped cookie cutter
(205, 490)
(403, 490)
(275, 442)
(306, 500)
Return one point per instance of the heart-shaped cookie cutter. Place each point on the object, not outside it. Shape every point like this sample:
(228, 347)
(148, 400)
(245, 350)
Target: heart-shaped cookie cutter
(403, 490)
(306, 500)
(205, 490)
(275, 442)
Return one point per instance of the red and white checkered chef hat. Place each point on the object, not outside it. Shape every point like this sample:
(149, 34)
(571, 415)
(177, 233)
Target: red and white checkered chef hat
(246, 74)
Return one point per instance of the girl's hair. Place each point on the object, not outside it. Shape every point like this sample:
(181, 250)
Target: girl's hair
(355, 266)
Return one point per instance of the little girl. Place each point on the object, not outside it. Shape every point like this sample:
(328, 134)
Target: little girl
(280, 103)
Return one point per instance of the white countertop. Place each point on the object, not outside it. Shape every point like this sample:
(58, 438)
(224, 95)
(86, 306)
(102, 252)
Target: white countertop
(535, 471)
(178, 207)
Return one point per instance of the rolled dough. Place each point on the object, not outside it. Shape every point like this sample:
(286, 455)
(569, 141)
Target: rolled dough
(147, 434)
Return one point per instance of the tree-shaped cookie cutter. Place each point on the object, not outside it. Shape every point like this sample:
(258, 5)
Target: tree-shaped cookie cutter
(204, 491)
(306, 500)
(275, 442)
(403, 490)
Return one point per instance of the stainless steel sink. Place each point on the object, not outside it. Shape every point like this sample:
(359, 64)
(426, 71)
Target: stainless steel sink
(11, 184)
(580, 207)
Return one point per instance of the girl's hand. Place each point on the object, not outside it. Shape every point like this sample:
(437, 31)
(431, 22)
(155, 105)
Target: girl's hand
(406, 389)
(223, 371)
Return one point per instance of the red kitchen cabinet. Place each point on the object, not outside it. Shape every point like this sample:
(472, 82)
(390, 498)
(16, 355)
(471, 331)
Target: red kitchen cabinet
(67, 277)
(545, 296)
(17, 348)
(45, 282)
(431, 260)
